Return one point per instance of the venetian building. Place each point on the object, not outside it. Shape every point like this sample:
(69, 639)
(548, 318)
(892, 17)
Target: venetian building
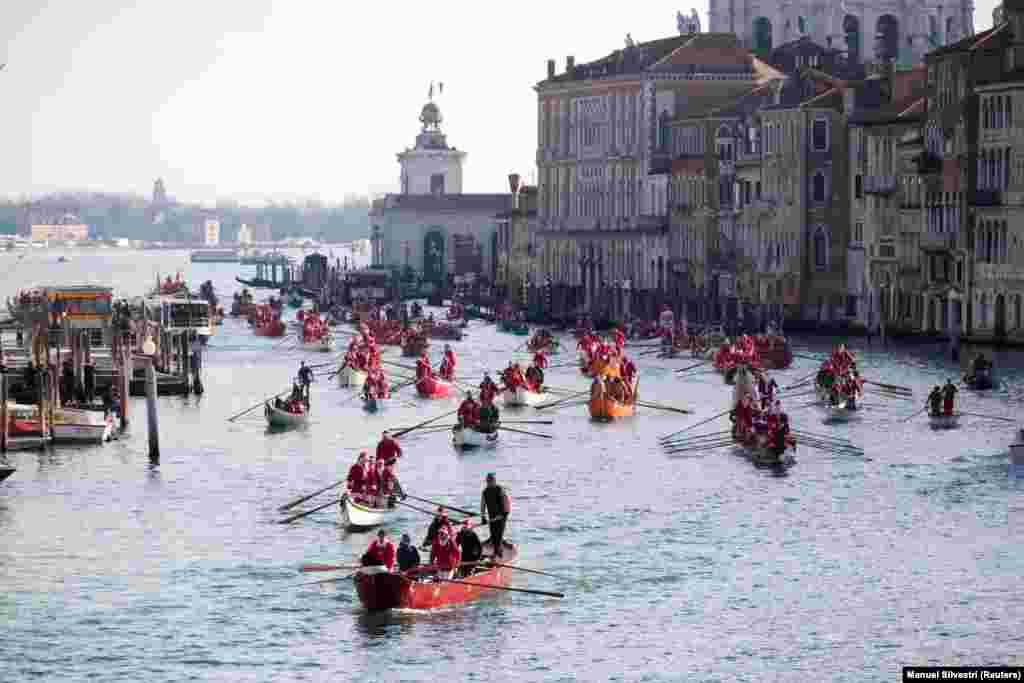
(908, 29)
(431, 226)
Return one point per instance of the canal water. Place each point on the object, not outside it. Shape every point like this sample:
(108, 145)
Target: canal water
(690, 567)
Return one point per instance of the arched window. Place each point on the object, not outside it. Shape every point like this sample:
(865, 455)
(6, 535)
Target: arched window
(933, 31)
(949, 29)
(821, 248)
(887, 45)
(818, 187)
(819, 134)
(762, 36)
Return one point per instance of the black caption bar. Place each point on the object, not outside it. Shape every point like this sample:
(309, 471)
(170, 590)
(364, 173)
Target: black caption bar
(963, 673)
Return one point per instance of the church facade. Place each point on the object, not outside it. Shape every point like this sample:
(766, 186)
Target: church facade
(905, 29)
(431, 226)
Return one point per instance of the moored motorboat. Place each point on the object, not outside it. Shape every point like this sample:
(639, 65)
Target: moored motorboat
(379, 589)
(521, 396)
(1017, 450)
(77, 424)
(278, 417)
(432, 387)
(6, 471)
(350, 377)
(470, 437)
(361, 515)
(944, 421)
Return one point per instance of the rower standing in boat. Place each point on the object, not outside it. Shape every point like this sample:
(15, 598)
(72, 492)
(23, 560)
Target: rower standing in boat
(356, 477)
(496, 506)
(935, 401)
(388, 450)
(408, 556)
(305, 378)
(469, 411)
(469, 546)
(380, 553)
(447, 369)
(948, 397)
(488, 389)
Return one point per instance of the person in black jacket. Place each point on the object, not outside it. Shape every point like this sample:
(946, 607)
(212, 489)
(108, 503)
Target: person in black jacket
(407, 556)
(495, 506)
(470, 547)
(440, 520)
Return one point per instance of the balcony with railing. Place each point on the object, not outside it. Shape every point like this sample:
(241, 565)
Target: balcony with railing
(880, 184)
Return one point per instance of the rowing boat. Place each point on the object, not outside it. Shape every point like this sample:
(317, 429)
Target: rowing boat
(609, 408)
(521, 396)
(472, 438)
(282, 418)
(840, 412)
(432, 387)
(1017, 450)
(379, 589)
(757, 449)
(360, 515)
(944, 421)
(520, 329)
(350, 377)
(76, 424)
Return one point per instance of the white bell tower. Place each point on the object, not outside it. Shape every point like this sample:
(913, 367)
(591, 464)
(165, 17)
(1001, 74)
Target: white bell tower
(431, 167)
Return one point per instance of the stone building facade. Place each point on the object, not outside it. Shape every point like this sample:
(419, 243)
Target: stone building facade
(906, 30)
(431, 226)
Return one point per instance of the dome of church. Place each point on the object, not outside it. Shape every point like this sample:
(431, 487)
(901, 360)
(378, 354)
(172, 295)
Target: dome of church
(431, 114)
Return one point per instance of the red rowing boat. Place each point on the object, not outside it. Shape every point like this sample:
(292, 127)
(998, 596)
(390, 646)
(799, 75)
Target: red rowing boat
(431, 387)
(380, 589)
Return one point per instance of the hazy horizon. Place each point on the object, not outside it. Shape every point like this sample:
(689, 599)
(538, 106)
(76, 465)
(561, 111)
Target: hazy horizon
(282, 101)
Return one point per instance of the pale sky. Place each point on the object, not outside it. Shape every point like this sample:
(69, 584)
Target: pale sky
(248, 99)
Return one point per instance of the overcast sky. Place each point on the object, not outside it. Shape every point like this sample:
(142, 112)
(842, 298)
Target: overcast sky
(249, 99)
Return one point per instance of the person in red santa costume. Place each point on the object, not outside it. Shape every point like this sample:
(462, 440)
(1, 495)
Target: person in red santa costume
(381, 552)
(540, 360)
(388, 450)
(357, 477)
(444, 553)
(447, 369)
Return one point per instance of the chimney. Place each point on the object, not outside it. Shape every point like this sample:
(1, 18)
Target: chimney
(551, 68)
(570, 64)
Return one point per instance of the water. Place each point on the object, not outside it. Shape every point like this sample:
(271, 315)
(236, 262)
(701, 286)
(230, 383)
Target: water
(698, 568)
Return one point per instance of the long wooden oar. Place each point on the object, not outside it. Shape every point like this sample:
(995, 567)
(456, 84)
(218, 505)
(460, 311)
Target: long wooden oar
(309, 512)
(523, 431)
(503, 588)
(891, 387)
(528, 422)
(423, 424)
(326, 567)
(800, 381)
(696, 365)
(258, 405)
(292, 504)
(334, 580)
(915, 414)
(427, 512)
(445, 506)
(552, 404)
(989, 417)
(533, 571)
(698, 424)
(658, 406)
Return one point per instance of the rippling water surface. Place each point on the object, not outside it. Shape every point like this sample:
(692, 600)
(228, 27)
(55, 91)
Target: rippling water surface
(699, 567)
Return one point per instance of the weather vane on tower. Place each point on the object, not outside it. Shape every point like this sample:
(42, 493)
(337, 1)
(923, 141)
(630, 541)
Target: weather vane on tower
(440, 90)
